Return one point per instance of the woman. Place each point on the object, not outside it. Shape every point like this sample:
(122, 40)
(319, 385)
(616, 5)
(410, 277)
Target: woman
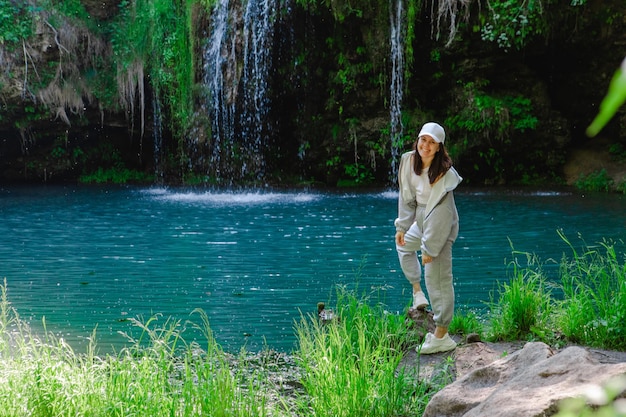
(428, 221)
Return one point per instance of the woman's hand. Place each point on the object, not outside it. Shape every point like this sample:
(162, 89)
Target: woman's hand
(400, 238)
(426, 259)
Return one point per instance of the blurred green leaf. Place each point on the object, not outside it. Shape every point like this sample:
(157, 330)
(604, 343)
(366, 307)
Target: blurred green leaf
(614, 98)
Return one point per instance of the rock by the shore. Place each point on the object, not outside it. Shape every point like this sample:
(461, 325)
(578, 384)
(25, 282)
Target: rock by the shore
(509, 379)
(530, 382)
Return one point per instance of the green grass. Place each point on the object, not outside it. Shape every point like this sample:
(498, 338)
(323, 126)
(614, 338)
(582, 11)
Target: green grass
(524, 304)
(585, 304)
(349, 366)
(593, 311)
(159, 375)
(465, 322)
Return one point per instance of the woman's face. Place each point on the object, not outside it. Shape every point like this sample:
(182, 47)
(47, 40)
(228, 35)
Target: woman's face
(427, 147)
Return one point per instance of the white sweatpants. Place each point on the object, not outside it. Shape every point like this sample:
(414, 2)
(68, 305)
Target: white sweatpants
(437, 274)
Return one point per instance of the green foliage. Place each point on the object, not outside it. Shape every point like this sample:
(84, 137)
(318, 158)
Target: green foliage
(155, 37)
(618, 152)
(333, 161)
(208, 4)
(350, 72)
(58, 152)
(589, 309)
(521, 111)
(70, 8)
(63, 155)
(102, 84)
(352, 64)
(15, 23)
(344, 76)
(191, 178)
(484, 125)
(513, 23)
(32, 112)
(61, 83)
(112, 168)
(595, 181)
(341, 9)
(116, 176)
(493, 116)
(358, 173)
(413, 7)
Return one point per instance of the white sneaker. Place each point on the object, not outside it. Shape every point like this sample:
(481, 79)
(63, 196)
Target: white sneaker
(419, 300)
(433, 344)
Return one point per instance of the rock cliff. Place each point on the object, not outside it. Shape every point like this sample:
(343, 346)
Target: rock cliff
(514, 110)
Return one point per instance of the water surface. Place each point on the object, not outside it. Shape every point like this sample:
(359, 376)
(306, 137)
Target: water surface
(254, 261)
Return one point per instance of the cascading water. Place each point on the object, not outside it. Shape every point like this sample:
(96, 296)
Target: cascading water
(258, 40)
(397, 82)
(220, 66)
(238, 63)
(158, 139)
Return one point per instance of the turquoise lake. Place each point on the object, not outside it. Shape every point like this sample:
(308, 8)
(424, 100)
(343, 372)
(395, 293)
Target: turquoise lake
(86, 258)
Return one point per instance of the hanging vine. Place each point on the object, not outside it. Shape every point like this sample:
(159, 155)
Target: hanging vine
(413, 7)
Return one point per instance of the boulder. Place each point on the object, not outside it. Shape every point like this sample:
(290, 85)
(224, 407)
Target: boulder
(529, 382)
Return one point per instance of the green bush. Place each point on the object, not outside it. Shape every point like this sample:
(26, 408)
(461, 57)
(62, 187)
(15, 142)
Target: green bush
(595, 181)
(15, 23)
(513, 23)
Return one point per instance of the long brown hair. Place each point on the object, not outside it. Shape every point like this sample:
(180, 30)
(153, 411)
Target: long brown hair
(440, 165)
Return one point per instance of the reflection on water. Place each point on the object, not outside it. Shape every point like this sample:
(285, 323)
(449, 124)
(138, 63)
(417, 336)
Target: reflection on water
(253, 261)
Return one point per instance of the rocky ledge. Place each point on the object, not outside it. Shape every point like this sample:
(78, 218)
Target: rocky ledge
(510, 379)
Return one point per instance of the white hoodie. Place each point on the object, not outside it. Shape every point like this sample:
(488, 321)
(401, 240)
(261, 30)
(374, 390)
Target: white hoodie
(441, 219)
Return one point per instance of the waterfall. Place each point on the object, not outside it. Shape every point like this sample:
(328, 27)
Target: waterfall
(238, 63)
(258, 40)
(397, 83)
(220, 65)
(158, 139)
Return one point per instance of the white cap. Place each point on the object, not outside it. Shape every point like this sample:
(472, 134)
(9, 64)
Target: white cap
(433, 130)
